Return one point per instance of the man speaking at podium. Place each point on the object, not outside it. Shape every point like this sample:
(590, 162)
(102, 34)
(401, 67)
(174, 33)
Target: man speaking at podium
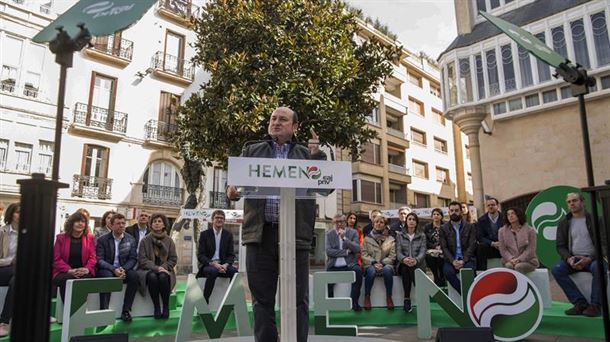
(260, 229)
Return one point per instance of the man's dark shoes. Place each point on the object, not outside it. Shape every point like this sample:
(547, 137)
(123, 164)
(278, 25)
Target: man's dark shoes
(592, 311)
(356, 307)
(408, 306)
(577, 309)
(157, 313)
(126, 316)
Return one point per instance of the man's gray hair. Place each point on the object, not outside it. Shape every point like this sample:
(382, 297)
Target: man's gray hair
(578, 194)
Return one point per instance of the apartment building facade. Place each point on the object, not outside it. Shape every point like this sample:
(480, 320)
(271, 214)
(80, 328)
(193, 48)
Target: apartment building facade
(121, 100)
(413, 161)
(534, 139)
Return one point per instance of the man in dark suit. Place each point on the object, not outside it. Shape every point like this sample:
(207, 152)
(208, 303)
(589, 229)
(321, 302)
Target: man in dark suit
(458, 242)
(140, 229)
(487, 233)
(116, 257)
(215, 253)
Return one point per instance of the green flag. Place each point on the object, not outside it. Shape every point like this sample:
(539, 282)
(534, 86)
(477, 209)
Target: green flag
(527, 41)
(101, 17)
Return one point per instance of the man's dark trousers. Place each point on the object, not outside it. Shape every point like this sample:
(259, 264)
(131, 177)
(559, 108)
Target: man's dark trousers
(262, 269)
(210, 273)
(132, 281)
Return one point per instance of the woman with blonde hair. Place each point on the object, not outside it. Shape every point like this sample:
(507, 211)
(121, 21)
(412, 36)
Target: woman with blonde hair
(378, 257)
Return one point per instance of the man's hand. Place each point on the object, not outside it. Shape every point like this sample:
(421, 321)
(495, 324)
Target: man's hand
(495, 244)
(314, 142)
(458, 264)
(571, 261)
(224, 268)
(232, 192)
(378, 267)
(119, 272)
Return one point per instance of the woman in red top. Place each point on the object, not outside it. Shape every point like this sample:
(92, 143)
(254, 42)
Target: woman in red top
(74, 253)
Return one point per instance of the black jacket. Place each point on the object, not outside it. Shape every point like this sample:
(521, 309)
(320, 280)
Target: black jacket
(563, 238)
(468, 241)
(207, 247)
(254, 209)
(133, 230)
(485, 235)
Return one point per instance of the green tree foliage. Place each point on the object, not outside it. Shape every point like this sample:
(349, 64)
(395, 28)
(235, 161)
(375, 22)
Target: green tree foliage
(263, 54)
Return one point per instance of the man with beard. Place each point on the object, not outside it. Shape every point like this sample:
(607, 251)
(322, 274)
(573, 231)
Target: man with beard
(458, 242)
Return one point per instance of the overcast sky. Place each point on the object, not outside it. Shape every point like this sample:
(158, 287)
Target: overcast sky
(427, 25)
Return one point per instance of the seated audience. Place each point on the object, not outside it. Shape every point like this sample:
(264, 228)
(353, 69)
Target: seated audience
(518, 242)
(156, 261)
(117, 257)
(466, 214)
(458, 242)
(342, 247)
(105, 227)
(367, 229)
(378, 257)
(215, 254)
(74, 253)
(402, 221)
(410, 253)
(352, 223)
(139, 229)
(576, 246)
(434, 253)
(8, 253)
(487, 233)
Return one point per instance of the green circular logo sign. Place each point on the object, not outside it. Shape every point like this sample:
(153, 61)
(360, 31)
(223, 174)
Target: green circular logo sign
(544, 213)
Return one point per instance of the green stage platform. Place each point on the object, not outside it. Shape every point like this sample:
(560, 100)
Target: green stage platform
(554, 322)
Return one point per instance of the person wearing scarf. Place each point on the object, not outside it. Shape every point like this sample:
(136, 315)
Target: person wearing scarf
(378, 257)
(156, 261)
(411, 253)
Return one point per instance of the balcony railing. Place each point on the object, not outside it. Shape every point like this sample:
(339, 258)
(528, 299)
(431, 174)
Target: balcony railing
(219, 200)
(162, 195)
(103, 118)
(398, 169)
(91, 187)
(158, 130)
(172, 64)
(7, 86)
(396, 133)
(108, 45)
(181, 8)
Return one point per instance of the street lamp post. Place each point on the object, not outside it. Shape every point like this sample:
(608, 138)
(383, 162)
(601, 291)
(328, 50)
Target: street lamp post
(37, 224)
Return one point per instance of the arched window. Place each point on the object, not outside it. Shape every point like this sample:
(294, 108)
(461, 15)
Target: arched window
(162, 184)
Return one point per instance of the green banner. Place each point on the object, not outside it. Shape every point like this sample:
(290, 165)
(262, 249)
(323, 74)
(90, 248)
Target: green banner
(526, 40)
(101, 17)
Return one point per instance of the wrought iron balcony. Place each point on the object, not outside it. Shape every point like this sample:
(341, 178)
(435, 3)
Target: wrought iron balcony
(91, 187)
(162, 195)
(180, 8)
(158, 130)
(173, 65)
(102, 118)
(109, 45)
(219, 200)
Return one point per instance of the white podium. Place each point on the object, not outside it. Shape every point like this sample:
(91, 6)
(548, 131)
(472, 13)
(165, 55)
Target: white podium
(290, 179)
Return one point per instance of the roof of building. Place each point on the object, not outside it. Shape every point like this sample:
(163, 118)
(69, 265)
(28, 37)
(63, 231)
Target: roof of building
(520, 16)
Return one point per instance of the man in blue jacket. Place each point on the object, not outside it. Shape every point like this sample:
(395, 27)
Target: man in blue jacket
(116, 257)
(487, 233)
